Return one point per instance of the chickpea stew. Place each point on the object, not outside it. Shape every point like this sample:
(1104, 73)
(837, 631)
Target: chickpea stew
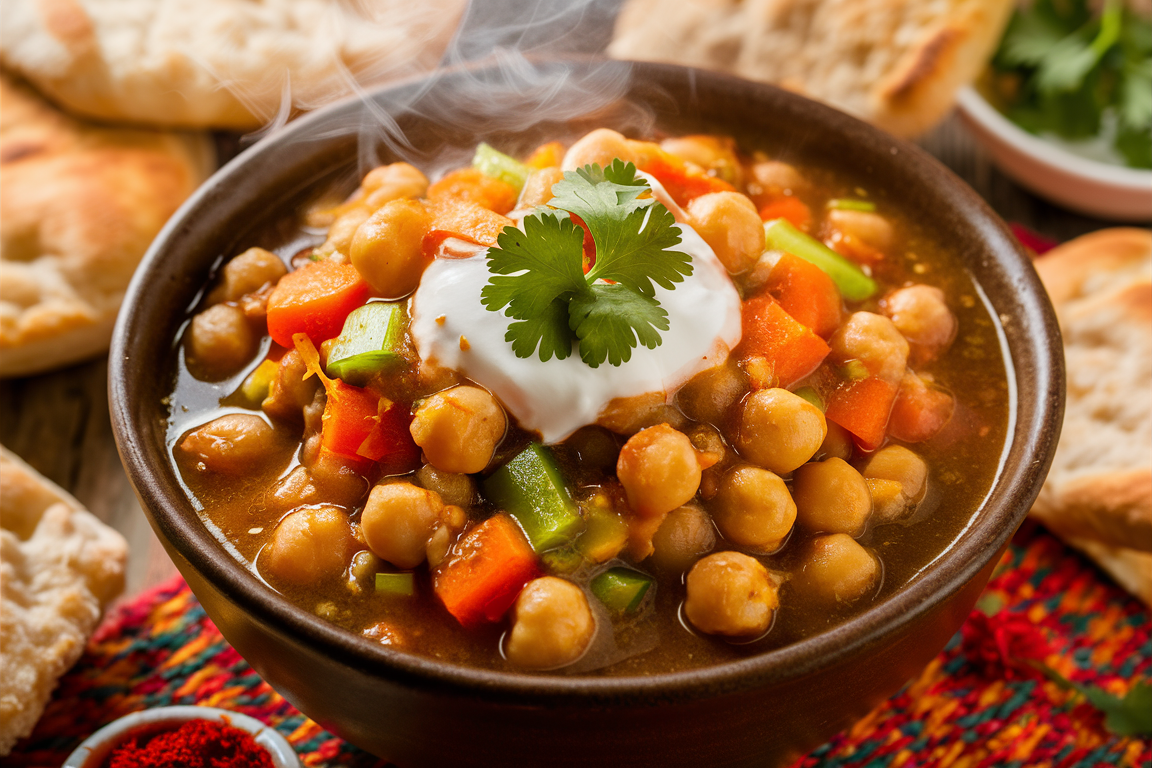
(796, 420)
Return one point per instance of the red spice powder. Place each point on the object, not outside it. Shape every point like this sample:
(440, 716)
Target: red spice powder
(195, 744)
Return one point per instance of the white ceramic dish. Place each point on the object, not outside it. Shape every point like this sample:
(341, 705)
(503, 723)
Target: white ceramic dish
(95, 747)
(1098, 189)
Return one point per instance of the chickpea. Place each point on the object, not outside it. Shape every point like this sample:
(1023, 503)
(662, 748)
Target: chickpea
(386, 183)
(362, 572)
(874, 341)
(753, 509)
(774, 178)
(400, 521)
(710, 395)
(780, 430)
(538, 188)
(230, 445)
(454, 488)
(659, 470)
(342, 231)
(730, 224)
(290, 393)
(837, 443)
(337, 480)
(836, 569)
(388, 249)
(869, 228)
(712, 153)
(921, 314)
(889, 502)
(629, 415)
(730, 594)
(552, 625)
(308, 546)
(682, 538)
(601, 146)
(248, 272)
(220, 341)
(831, 497)
(459, 429)
(895, 462)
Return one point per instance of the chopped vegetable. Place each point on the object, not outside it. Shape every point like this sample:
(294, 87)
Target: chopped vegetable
(396, 584)
(812, 396)
(470, 185)
(466, 220)
(256, 385)
(531, 490)
(539, 275)
(807, 293)
(789, 349)
(481, 577)
(679, 181)
(548, 155)
(920, 411)
(605, 534)
(848, 204)
(780, 235)
(788, 207)
(559, 562)
(369, 343)
(314, 300)
(494, 163)
(622, 590)
(862, 406)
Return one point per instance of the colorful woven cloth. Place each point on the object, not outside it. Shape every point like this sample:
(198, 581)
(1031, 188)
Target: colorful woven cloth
(976, 705)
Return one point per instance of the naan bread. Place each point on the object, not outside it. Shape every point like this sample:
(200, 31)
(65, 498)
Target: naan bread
(79, 205)
(59, 567)
(217, 63)
(896, 63)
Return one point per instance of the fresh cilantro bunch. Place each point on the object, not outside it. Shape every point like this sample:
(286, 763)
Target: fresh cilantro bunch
(540, 280)
(1061, 67)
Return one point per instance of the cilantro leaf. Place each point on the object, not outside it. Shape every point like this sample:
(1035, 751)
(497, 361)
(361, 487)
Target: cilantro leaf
(548, 330)
(609, 321)
(1135, 104)
(638, 251)
(548, 252)
(1031, 34)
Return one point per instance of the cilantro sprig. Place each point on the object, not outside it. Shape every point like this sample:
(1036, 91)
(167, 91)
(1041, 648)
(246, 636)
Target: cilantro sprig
(539, 278)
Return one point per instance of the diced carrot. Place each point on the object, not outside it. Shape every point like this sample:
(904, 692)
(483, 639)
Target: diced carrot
(465, 220)
(548, 155)
(314, 300)
(485, 572)
(469, 184)
(807, 293)
(789, 349)
(788, 207)
(920, 410)
(682, 184)
(862, 407)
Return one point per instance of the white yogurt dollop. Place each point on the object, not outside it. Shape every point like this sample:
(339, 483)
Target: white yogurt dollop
(558, 397)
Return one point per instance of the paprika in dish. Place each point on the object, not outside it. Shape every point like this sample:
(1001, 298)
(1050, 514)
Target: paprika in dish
(194, 744)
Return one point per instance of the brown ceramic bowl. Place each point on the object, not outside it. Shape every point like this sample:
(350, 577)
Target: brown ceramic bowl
(765, 710)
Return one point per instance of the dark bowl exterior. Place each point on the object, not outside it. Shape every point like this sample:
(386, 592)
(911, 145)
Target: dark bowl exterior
(764, 711)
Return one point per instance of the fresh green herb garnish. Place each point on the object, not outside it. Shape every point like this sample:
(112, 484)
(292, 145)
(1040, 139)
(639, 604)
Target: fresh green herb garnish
(1060, 68)
(540, 281)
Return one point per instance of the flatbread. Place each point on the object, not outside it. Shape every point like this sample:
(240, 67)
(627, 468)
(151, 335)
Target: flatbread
(59, 567)
(896, 63)
(79, 205)
(232, 64)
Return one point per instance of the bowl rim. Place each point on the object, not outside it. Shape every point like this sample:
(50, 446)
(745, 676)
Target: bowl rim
(969, 555)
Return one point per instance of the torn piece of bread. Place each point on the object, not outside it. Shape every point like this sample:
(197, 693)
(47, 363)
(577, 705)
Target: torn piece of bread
(59, 567)
(896, 63)
(79, 206)
(231, 64)
(1099, 491)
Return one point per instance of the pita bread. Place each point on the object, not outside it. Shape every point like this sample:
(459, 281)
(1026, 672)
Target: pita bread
(896, 63)
(231, 64)
(79, 206)
(59, 567)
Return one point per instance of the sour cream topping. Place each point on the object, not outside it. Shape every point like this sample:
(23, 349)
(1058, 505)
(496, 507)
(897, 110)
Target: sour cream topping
(451, 328)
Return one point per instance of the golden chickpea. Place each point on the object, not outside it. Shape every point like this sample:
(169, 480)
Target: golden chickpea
(601, 146)
(753, 509)
(836, 569)
(459, 429)
(388, 249)
(712, 153)
(780, 430)
(454, 488)
(730, 594)
(659, 470)
(870, 228)
(538, 188)
(220, 341)
(922, 315)
(248, 272)
(552, 625)
(730, 224)
(889, 502)
(895, 462)
(392, 182)
(710, 395)
(874, 341)
(342, 231)
(682, 538)
(230, 445)
(775, 178)
(290, 393)
(831, 497)
(308, 546)
(837, 443)
(400, 521)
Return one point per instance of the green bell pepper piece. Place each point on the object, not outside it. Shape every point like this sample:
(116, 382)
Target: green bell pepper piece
(370, 342)
(530, 488)
(622, 590)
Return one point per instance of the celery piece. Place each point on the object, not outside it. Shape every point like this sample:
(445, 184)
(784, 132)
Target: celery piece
(854, 285)
(531, 490)
(494, 163)
(370, 342)
(256, 385)
(396, 584)
(811, 395)
(848, 204)
(622, 590)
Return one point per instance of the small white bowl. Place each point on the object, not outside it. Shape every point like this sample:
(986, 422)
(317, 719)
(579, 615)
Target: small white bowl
(1098, 189)
(100, 743)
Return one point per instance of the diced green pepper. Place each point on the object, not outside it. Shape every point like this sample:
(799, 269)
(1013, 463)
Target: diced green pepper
(848, 204)
(402, 584)
(605, 535)
(530, 488)
(494, 163)
(560, 562)
(256, 385)
(622, 590)
(854, 285)
(369, 343)
(854, 370)
(812, 396)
